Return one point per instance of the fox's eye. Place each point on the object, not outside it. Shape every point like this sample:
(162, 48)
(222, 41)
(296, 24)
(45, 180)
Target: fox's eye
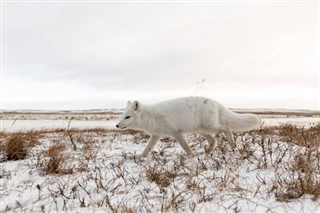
(127, 117)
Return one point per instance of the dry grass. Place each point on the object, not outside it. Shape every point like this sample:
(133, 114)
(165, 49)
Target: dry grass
(163, 178)
(301, 136)
(16, 146)
(302, 177)
(57, 160)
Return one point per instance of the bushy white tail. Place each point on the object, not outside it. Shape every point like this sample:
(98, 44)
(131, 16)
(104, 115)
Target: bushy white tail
(241, 122)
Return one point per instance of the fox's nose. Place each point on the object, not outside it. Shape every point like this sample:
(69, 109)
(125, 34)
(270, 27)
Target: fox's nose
(117, 126)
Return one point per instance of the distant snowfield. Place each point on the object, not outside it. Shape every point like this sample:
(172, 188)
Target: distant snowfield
(25, 125)
(34, 120)
(37, 120)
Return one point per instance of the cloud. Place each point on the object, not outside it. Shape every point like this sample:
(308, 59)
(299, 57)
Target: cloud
(157, 47)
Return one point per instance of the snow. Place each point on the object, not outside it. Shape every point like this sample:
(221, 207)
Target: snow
(108, 174)
(26, 125)
(299, 121)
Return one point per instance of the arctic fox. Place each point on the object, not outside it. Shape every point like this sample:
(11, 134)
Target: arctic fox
(186, 115)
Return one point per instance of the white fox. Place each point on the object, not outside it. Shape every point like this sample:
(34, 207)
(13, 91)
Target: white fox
(186, 115)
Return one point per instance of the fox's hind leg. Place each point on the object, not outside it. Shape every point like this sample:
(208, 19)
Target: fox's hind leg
(230, 138)
(152, 142)
(212, 142)
(179, 137)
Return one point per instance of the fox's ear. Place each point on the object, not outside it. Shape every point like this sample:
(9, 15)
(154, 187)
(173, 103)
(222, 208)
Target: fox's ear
(136, 105)
(129, 102)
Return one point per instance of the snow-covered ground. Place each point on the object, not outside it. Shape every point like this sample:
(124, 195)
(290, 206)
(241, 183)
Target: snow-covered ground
(101, 171)
(12, 121)
(299, 121)
(27, 125)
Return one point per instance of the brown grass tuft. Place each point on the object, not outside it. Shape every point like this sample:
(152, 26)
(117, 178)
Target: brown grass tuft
(17, 145)
(162, 178)
(57, 161)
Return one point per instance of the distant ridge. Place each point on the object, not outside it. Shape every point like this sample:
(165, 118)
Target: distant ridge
(296, 112)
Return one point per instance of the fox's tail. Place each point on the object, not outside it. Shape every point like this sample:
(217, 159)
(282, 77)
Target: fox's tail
(241, 122)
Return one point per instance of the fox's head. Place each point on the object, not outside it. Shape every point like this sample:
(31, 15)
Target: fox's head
(130, 116)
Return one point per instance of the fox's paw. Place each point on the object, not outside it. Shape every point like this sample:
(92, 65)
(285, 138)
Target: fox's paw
(146, 153)
(209, 148)
(191, 155)
(143, 155)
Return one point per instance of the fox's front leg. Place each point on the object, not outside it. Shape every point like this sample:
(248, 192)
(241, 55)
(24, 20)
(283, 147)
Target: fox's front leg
(178, 136)
(152, 142)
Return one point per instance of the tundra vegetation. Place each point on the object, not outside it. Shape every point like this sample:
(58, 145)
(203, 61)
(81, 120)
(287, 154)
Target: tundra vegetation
(275, 169)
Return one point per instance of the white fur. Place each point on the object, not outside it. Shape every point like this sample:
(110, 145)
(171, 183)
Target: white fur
(185, 115)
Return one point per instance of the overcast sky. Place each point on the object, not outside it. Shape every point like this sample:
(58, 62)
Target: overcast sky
(99, 55)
